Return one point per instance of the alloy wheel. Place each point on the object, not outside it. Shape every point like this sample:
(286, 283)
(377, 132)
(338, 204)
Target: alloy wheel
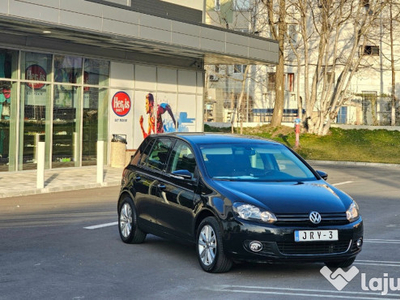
(125, 220)
(207, 245)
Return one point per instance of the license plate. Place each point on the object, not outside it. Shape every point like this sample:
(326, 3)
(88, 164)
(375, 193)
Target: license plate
(315, 235)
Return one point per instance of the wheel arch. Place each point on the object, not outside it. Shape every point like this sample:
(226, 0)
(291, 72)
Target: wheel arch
(200, 217)
(123, 194)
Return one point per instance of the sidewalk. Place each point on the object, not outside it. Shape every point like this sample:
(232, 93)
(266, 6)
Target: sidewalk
(56, 180)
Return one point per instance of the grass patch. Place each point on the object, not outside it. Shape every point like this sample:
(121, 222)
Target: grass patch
(361, 145)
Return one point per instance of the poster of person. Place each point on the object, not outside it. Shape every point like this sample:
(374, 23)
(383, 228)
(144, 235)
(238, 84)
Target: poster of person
(156, 123)
(160, 113)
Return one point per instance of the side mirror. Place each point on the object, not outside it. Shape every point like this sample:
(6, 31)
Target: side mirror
(182, 174)
(323, 175)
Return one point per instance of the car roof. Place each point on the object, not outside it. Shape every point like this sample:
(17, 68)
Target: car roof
(213, 138)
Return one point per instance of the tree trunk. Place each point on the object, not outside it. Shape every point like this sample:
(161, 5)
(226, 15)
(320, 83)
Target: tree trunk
(276, 119)
(392, 63)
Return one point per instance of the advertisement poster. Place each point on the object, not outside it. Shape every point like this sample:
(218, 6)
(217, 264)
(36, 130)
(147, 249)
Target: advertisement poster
(36, 70)
(121, 115)
(160, 112)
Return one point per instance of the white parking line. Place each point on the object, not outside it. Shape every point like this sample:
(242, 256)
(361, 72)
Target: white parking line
(380, 263)
(101, 225)
(341, 183)
(301, 292)
(382, 241)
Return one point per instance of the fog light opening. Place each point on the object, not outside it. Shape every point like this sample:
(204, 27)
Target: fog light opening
(359, 242)
(255, 246)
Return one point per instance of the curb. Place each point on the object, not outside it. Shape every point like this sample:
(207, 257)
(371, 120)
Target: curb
(65, 188)
(352, 163)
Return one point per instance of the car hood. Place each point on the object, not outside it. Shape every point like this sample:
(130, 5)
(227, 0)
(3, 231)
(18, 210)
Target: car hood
(287, 197)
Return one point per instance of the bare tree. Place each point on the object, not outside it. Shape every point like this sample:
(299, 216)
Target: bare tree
(327, 54)
(333, 32)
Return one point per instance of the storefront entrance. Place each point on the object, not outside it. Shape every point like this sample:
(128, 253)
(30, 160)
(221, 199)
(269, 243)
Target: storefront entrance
(59, 99)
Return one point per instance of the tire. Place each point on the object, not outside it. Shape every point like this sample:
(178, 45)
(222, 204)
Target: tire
(129, 231)
(209, 247)
(340, 264)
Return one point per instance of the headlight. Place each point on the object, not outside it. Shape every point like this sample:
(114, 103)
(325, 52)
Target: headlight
(251, 212)
(352, 213)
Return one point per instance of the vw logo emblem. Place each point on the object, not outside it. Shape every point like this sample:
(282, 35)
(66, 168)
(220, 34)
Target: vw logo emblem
(315, 217)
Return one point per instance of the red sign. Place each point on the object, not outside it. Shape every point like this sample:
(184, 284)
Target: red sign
(36, 73)
(121, 104)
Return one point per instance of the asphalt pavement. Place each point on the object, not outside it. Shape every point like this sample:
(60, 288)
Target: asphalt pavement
(23, 183)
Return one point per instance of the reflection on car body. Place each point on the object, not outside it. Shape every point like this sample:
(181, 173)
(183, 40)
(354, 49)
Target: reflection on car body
(238, 199)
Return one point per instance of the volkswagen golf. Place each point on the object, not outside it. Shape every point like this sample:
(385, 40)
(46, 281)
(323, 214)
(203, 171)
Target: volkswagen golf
(238, 199)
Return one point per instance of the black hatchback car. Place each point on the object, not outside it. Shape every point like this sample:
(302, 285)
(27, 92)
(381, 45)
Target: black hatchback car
(238, 199)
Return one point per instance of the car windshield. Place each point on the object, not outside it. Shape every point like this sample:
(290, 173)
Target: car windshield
(257, 162)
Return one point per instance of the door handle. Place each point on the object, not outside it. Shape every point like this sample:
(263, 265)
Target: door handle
(161, 186)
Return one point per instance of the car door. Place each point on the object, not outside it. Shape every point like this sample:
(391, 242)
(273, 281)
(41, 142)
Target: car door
(178, 192)
(147, 179)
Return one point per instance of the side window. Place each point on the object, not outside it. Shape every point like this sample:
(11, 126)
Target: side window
(146, 151)
(157, 158)
(182, 158)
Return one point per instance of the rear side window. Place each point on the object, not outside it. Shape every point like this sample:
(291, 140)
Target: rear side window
(157, 158)
(145, 152)
(140, 153)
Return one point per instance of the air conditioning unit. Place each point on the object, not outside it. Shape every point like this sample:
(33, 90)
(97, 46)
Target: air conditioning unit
(213, 78)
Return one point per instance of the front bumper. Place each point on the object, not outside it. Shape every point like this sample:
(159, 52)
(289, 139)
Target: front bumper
(278, 242)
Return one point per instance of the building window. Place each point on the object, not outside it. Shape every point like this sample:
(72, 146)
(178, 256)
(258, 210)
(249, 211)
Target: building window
(239, 68)
(217, 5)
(241, 5)
(370, 50)
(271, 81)
(292, 33)
(290, 82)
(328, 75)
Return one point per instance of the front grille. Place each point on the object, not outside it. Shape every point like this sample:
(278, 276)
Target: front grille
(303, 219)
(291, 248)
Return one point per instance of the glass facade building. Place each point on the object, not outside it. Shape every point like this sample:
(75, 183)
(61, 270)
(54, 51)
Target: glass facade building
(59, 99)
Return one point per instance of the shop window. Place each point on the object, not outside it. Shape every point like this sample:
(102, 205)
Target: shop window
(67, 69)
(96, 72)
(94, 122)
(34, 124)
(66, 128)
(8, 107)
(35, 67)
(8, 63)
